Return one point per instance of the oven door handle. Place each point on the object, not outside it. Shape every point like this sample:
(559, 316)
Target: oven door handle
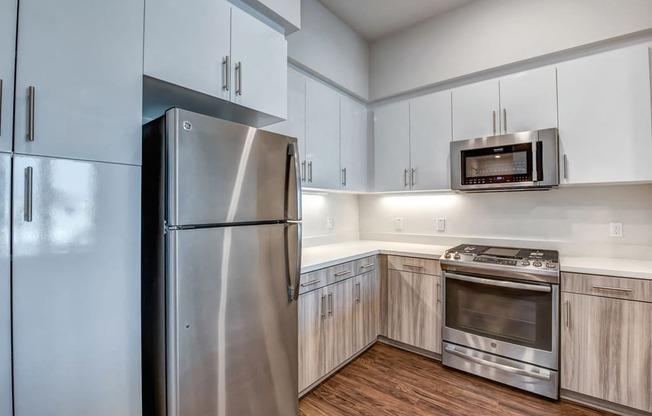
(499, 283)
(501, 367)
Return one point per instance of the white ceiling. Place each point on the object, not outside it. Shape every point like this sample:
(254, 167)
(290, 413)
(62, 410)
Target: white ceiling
(374, 19)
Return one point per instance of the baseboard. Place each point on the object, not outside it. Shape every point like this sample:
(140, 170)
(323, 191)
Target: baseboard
(600, 404)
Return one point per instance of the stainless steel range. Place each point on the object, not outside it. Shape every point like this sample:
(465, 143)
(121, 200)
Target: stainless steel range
(501, 315)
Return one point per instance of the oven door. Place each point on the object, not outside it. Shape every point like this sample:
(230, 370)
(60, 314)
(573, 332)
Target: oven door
(508, 318)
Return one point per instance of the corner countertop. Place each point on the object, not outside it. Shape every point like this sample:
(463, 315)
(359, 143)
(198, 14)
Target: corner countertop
(318, 257)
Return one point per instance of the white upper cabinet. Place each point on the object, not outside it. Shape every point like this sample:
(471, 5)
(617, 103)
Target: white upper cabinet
(7, 52)
(79, 80)
(5, 286)
(475, 110)
(392, 147)
(605, 129)
(322, 136)
(218, 50)
(528, 101)
(189, 46)
(353, 145)
(520, 102)
(259, 65)
(430, 137)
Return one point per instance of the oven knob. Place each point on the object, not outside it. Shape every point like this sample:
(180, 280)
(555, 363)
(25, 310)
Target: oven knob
(537, 263)
(447, 255)
(525, 263)
(550, 265)
(457, 256)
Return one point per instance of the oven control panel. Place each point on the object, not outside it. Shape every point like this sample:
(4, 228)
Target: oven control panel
(524, 259)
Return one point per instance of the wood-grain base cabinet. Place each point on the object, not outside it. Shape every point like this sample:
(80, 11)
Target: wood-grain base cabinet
(366, 310)
(414, 309)
(606, 348)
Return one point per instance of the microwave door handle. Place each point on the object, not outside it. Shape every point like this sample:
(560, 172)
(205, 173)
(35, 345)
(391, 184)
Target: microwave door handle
(538, 161)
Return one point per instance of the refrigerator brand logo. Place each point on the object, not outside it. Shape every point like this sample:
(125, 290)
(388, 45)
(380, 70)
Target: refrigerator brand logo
(187, 125)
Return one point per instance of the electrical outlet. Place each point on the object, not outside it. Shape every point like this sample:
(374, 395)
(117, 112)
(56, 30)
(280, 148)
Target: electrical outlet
(398, 223)
(329, 223)
(615, 229)
(441, 224)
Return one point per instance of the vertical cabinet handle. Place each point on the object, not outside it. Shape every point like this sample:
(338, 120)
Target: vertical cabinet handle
(238, 78)
(405, 177)
(505, 120)
(310, 171)
(1, 107)
(29, 175)
(494, 121)
(323, 306)
(565, 166)
(344, 177)
(31, 104)
(226, 67)
(568, 314)
(303, 171)
(330, 304)
(438, 292)
(357, 287)
(414, 176)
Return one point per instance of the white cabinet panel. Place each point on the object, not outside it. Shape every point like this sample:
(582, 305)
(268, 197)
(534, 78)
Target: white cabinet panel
(186, 46)
(76, 289)
(322, 136)
(5, 286)
(528, 100)
(430, 136)
(392, 147)
(475, 110)
(353, 145)
(7, 53)
(84, 60)
(605, 129)
(259, 65)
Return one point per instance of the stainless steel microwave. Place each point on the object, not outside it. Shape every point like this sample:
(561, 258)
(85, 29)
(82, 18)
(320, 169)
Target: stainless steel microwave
(519, 161)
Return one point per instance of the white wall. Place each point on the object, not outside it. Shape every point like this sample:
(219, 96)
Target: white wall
(574, 220)
(327, 46)
(317, 207)
(491, 33)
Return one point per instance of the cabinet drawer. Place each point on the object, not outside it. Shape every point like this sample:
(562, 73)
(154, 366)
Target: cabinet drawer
(607, 286)
(329, 275)
(414, 265)
(365, 265)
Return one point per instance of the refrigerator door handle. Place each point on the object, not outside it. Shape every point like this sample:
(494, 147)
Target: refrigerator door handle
(293, 210)
(293, 258)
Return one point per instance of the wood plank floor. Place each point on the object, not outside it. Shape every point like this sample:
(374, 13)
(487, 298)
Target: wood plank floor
(389, 381)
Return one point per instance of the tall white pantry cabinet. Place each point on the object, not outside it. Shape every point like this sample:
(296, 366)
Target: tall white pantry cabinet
(75, 217)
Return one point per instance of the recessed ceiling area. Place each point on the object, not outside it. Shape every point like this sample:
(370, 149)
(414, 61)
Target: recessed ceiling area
(375, 19)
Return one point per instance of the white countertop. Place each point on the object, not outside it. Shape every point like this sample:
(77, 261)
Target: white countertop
(315, 258)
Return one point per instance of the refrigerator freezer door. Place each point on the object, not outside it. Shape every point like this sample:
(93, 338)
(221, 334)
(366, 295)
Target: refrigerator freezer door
(5, 287)
(223, 172)
(76, 291)
(232, 345)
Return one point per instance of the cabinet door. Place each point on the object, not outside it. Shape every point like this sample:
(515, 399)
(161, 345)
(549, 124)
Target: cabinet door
(434, 341)
(475, 110)
(85, 62)
(5, 286)
(76, 288)
(604, 117)
(392, 147)
(7, 53)
(187, 46)
(430, 137)
(295, 125)
(366, 318)
(411, 309)
(353, 137)
(605, 349)
(259, 65)
(528, 100)
(313, 312)
(322, 136)
(340, 299)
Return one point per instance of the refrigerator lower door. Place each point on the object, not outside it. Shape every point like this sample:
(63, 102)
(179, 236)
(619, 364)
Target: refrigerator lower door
(232, 330)
(5, 287)
(223, 172)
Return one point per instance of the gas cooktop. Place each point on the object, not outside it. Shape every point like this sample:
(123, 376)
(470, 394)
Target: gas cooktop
(520, 262)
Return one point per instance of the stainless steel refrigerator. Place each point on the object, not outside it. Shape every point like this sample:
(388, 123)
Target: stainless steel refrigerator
(221, 250)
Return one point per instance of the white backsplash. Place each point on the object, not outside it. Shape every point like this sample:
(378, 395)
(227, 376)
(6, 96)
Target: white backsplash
(573, 220)
(317, 207)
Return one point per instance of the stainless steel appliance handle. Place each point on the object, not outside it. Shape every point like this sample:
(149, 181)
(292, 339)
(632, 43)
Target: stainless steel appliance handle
(31, 106)
(310, 283)
(293, 259)
(293, 164)
(330, 303)
(368, 265)
(414, 176)
(238, 78)
(405, 177)
(499, 283)
(29, 176)
(494, 121)
(226, 67)
(344, 273)
(357, 285)
(323, 306)
(505, 120)
(501, 367)
(615, 289)
(565, 166)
